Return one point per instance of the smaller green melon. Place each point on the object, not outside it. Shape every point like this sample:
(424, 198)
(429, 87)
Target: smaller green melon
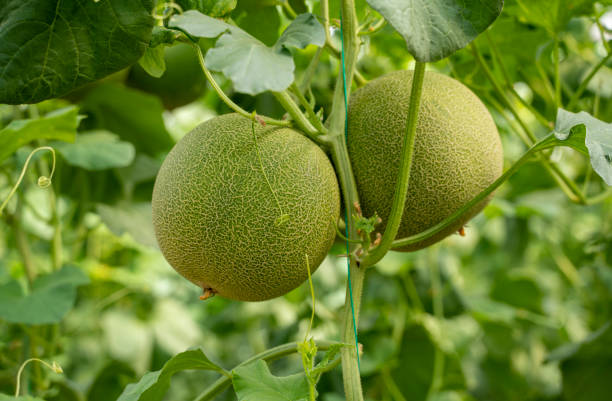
(182, 82)
(239, 216)
(457, 151)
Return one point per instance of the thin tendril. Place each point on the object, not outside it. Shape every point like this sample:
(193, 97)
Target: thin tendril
(43, 182)
(54, 367)
(283, 217)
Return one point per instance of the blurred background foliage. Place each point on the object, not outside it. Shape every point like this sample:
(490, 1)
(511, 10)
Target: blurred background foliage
(518, 309)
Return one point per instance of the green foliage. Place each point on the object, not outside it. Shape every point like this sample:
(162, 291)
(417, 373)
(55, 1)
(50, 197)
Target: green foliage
(252, 66)
(55, 48)
(60, 125)
(434, 30)
(51, 297)
(154, 385)
(97, 150)
(520, 309)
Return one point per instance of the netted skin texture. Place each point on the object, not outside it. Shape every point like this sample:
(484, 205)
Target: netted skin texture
(218, 222)
(457, 151)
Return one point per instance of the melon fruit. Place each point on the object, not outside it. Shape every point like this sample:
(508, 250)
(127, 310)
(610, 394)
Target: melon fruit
(181, 83)
(457, 152)
(239, 216)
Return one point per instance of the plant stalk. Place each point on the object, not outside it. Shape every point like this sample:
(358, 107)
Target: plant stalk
(298, 117)
(339, 152)
(403, 179)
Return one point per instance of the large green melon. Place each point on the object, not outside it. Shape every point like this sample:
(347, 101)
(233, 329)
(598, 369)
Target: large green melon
(458, 151)
(241, 227)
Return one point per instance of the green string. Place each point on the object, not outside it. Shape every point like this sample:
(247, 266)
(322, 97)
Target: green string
(346, 212)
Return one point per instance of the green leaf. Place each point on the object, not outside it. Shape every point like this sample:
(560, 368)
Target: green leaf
(434, 29)
(154, 385)
(199, 25)
(48, 48)
(303, 31)
(135, 219)
(254, 67)
(52, 296)
(588, 135)
(97, 150)
(60, 124)
(254, 382)
(133, 115)
(214, 8)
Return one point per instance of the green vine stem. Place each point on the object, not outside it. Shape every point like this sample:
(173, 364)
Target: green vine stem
(403, 179)
(229, 101)
(269, 355)
(298, 117)
(336, 122)
(546, 143)
(312, 117)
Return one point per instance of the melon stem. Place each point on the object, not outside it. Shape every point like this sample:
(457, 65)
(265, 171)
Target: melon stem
(403, 179)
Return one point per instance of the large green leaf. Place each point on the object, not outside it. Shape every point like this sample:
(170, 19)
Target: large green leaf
(48, 48)
(584, 132)
(60, 124)
(254, 67)
(154, 385)
(52, 296)
(97, 150)
(255, 382)
(434, 29)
